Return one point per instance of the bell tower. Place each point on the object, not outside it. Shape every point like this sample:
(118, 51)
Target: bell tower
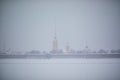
(55, 42)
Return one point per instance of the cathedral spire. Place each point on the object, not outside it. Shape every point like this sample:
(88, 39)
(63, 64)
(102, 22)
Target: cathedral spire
(55, 42)
(55, 36)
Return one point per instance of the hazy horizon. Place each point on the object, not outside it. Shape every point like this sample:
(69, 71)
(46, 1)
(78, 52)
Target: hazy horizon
(29, 25)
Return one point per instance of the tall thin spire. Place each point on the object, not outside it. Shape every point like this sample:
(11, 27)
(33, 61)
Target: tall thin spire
(55, 42)
(55, 35)
(55, 27)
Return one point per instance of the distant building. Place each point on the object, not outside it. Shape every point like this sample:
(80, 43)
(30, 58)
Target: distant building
(34, 52)
(86, 50)
(67, 49)
(115, 51)
(55, 43)
(102, 51)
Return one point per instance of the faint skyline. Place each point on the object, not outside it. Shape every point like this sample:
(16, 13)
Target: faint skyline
(29, 25)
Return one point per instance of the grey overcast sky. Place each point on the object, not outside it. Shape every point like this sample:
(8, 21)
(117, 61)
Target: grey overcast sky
(29, 24)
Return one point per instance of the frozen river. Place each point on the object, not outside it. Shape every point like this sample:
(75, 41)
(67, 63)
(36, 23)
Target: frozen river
(59, 69)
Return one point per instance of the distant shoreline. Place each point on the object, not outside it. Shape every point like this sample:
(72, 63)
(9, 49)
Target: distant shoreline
(47, 56)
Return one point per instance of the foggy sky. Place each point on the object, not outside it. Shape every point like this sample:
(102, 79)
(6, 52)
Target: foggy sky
(29, 25)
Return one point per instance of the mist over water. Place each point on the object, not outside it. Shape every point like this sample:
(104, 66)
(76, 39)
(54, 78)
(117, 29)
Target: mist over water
(60, 69)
